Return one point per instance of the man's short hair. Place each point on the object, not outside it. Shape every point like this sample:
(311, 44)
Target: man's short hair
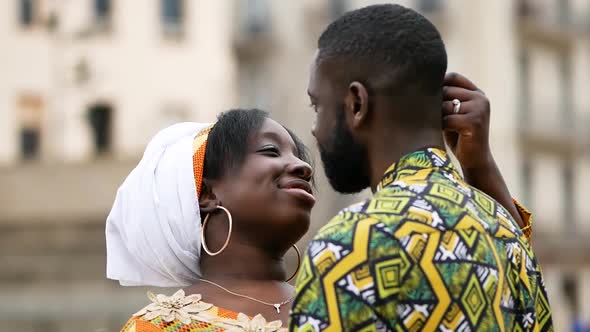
(391, 44)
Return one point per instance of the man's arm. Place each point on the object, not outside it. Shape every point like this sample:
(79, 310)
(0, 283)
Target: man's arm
(467, 134)
(489, 180)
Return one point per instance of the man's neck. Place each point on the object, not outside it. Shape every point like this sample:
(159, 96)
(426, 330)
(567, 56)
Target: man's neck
(389, 148)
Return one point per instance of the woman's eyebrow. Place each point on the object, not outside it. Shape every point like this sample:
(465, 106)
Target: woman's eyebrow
(278, 139)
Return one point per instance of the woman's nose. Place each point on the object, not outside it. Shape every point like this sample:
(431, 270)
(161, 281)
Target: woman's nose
(301, 169)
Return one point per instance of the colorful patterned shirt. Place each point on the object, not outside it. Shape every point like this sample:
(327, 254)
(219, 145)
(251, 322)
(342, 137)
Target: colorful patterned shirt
(427, 252)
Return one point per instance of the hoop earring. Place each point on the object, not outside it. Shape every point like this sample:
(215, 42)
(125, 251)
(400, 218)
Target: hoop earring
(204, 244)
(298, 263)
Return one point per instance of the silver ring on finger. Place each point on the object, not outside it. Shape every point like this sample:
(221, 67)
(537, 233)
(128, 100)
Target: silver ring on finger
(456, 105)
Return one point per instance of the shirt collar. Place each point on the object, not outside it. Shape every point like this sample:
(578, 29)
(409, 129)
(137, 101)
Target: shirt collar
(410, 163)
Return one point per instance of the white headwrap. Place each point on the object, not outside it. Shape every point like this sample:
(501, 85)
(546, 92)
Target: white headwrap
(153, 230)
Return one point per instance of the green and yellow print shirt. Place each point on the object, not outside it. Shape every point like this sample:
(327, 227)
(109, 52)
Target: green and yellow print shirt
(427, 252)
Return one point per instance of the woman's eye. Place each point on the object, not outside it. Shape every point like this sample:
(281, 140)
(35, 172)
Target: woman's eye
(271, 151)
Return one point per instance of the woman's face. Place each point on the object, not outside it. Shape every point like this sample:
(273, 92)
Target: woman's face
(269, 196)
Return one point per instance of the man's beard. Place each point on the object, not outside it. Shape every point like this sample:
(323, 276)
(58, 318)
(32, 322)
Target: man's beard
(345, 161)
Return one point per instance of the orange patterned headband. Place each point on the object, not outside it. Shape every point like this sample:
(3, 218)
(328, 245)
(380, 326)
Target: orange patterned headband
(199, 147)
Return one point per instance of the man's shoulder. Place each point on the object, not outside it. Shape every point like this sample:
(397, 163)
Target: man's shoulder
(344, 221)
(390, 201)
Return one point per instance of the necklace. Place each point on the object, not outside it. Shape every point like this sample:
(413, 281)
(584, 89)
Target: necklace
(275, 305)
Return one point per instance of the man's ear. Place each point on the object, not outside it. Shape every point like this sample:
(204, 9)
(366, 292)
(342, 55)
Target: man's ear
(208, 202)
(357, 104)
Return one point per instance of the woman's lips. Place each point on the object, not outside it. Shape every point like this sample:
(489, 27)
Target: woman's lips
(299, 188)
(301, 194)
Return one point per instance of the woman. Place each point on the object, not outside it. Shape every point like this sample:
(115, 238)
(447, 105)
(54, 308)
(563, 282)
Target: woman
(246, 202)
(240, 190)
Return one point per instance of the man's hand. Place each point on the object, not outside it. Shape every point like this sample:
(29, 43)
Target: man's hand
(467, 134)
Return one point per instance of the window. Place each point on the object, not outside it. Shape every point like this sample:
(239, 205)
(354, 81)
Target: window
(27, 12)
(338, 7)
(172, 16)
(525, 8)
(571, 289)
(429, 6)
(102, 8)
(102, 14)
(30, 108)
(254, 89)
(30, 138)
(99, 118)
(254, 15)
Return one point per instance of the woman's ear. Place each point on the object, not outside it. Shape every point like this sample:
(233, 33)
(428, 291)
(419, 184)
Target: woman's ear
(208, 202)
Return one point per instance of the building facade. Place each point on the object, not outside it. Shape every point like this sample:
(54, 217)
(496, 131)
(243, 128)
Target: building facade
(86, 83)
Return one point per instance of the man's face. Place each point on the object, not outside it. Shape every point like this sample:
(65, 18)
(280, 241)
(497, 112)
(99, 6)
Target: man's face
(345, 160)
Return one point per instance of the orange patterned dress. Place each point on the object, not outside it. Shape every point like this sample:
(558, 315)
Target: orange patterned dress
(180, 313)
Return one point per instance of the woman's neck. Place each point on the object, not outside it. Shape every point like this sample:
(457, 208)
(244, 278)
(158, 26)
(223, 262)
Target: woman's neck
(249, 271)
(239, 262)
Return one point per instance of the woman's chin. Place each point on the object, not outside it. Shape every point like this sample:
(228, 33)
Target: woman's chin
(297, 225)
(302, 219)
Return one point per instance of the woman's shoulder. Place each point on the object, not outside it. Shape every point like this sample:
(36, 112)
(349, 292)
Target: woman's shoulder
(189, 312)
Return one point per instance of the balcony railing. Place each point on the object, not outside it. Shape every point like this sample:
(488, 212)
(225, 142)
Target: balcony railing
(78, 193)
(569, 142)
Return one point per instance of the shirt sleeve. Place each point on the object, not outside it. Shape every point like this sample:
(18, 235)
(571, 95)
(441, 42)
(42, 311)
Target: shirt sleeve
(527, 219)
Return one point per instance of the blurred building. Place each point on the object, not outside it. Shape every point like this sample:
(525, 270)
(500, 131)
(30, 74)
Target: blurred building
(86, 83)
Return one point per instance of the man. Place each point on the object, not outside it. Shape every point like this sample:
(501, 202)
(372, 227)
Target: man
(427, 251)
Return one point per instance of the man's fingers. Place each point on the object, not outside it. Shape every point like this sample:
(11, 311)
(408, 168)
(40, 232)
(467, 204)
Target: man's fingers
(453, 92)
(448, 108)
(454, 123)
(458, 123)
(456, 79)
